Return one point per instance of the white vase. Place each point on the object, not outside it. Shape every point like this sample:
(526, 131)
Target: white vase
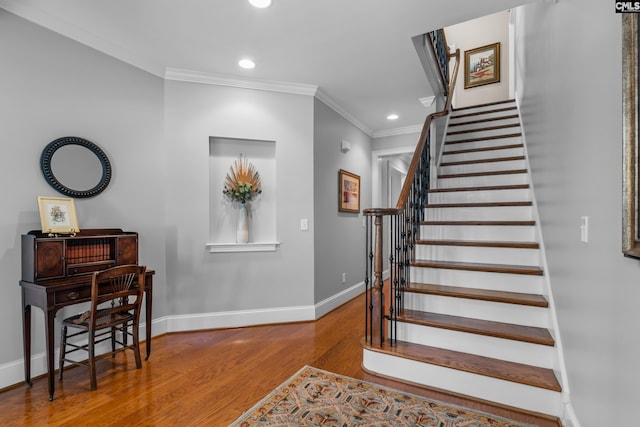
(242, 232)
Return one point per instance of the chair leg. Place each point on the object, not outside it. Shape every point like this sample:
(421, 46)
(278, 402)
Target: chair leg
(136, 345)
(63, 350)
(92, 360)
(113, 342)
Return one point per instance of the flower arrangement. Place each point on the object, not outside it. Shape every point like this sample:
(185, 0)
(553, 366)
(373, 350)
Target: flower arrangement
(242, 183)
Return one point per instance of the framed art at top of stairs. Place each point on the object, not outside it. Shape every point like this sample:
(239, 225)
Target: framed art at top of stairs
(482, 66)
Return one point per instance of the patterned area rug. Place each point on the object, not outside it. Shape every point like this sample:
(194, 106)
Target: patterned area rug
(314, 397)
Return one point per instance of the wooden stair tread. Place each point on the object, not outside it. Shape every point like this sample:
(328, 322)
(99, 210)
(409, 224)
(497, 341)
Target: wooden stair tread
(490, 160)
(479, 113)
(484, 138)
(486, 120)
(481, 365)
(481, 223)
(517, 298)
(484, 129)
(481, 188)
(487, 173)
(478, 204)
(479, 243)
(530, 270)
(474, 150)
(486, 104)
(510, 331)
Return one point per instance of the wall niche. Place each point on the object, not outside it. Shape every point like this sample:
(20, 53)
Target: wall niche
(223, 153)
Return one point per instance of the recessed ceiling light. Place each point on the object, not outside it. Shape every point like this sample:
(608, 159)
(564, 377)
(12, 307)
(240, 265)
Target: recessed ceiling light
(260, 3)
(247, 63)
(392, 117)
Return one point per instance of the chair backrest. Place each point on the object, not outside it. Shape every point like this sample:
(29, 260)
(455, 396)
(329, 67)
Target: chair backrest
(116, 290)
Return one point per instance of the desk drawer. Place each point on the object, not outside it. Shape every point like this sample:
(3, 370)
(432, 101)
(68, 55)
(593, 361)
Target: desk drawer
(75, 269)
(69, 296)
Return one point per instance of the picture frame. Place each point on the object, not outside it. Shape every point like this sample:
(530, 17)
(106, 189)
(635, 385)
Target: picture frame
(58, 215)
(348, 192)
(630, 117)
(482, 66)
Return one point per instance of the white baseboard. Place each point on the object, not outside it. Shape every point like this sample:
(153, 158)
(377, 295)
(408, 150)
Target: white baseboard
(570, 418)
(13, 372)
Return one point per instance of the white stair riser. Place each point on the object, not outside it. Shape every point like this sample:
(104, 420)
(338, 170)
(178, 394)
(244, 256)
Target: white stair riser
(479, 232)
(483, 143)
(478, 309)
(481, 125)
(483, 180)
(516, 195)
(497, 348)
(480, 280)
(510, 256)
(483, 133)
(500, 391)
(485, 213)
(447, 156)
(482, 167)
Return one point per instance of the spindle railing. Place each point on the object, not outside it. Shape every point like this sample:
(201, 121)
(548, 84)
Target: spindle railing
(384, 298)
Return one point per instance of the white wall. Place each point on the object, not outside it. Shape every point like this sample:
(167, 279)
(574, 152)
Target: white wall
(477, 33)
(568, 74)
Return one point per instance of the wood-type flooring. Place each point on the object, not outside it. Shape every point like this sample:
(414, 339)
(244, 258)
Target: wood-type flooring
(209, 378)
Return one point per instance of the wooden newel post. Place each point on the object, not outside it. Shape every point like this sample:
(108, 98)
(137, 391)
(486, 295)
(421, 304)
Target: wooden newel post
(377, 294)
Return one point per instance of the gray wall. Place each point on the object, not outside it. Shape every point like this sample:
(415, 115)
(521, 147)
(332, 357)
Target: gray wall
(52, 87)
(202, 282)
(156, 134)
(568, 61)
(339, 236)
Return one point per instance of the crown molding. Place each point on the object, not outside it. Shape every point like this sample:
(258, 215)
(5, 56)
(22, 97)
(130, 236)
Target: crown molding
(398, 131)
(322, 96)
(80, 35)
(191, 76)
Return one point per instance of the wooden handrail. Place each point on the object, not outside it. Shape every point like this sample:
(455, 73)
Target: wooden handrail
(423, 136)
(403, 224)
(406, 188)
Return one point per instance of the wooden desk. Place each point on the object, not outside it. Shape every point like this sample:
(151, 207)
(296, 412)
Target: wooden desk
(51, 296)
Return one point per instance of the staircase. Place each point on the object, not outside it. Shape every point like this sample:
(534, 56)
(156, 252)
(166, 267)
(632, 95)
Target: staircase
(475, 318)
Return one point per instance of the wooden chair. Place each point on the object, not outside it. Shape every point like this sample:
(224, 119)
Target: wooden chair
(116, 300)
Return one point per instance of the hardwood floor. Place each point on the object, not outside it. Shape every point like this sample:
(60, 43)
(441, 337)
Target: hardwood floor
(210, 377)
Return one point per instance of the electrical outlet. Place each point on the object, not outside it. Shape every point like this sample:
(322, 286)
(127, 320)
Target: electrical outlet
(344, 277)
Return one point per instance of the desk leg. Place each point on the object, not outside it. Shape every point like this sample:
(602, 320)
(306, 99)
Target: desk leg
(26, 340)
(49, 330)
(148, 302)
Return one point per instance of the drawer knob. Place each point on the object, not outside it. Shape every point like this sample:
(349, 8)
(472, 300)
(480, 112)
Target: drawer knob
(73, 295)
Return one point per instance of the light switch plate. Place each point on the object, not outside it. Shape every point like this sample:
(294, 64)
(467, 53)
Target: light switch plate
(304, 224)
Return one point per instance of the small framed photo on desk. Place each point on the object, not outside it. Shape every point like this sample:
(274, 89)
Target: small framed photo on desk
(58, 215)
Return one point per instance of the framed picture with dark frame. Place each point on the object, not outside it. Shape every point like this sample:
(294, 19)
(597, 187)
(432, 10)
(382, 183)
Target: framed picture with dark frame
(348, 192)
(482, 66)
(630, 117)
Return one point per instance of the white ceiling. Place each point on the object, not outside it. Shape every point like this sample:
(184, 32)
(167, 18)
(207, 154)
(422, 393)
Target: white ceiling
(358, 52)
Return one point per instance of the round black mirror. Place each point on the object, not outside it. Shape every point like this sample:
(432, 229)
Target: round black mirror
(75, 167)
